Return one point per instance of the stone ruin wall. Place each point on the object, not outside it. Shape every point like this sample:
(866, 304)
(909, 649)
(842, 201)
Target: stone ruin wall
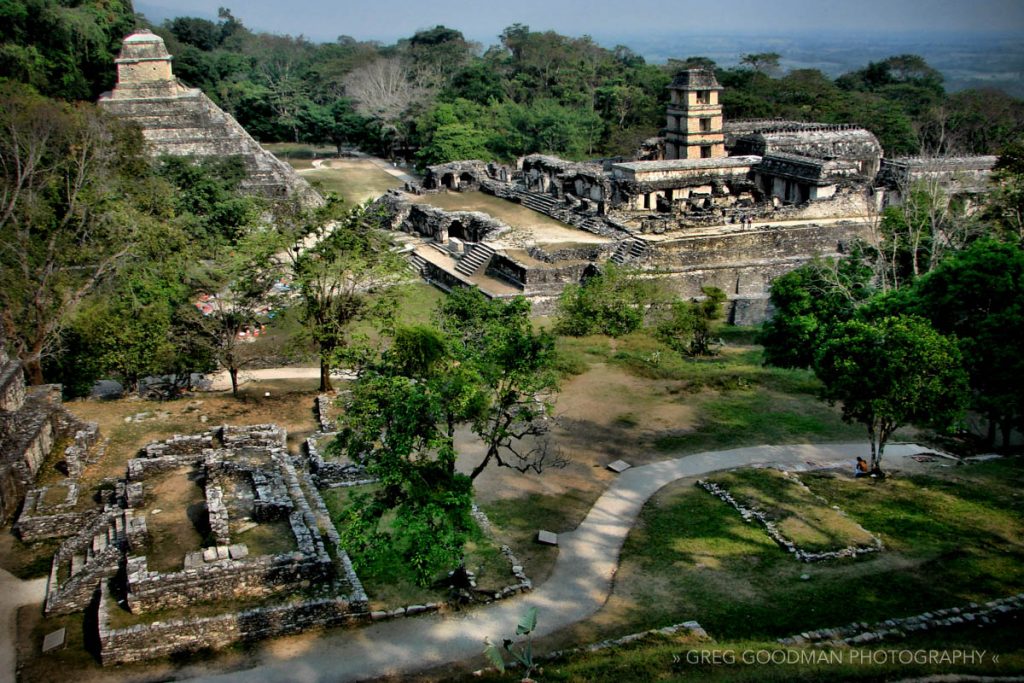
(179, 636)
(234, 575)
(39, 521)
(224, 579)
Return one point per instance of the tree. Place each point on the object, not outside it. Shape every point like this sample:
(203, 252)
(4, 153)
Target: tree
(514, 370)
(77, 198)
(688, 327)
(807, 301)
(342, 264)
(386, 89)
(483, 367)
(1005, 207)
(614, 302)
(891, 372)
(762, 62)
(240, 293)
(978, 295)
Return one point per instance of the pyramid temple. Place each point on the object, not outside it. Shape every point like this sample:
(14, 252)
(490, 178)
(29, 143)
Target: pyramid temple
(180, 121)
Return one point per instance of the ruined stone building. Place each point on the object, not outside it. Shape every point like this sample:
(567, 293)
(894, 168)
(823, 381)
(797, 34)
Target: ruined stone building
(32, 422)
(180, 121)
(729, 204)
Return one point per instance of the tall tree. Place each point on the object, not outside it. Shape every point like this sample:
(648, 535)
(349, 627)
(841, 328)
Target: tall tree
(342, 265)
(77, 197)
(486, 368)
(891, 372)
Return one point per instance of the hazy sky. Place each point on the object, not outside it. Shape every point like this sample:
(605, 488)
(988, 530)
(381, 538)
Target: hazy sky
(482, 20)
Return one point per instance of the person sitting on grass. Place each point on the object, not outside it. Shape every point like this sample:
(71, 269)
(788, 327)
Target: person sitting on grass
(861, 468)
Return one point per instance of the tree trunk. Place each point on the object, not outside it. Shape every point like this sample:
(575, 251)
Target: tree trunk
(325, 376)
(1006, 427)
(34, 371)
(876, 454)
(233, 372)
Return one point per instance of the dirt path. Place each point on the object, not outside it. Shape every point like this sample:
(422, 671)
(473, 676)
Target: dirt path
(578, 587)
(221, 381)
(14, 593)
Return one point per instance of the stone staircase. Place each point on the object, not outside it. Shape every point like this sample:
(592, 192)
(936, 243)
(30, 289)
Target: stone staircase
(629, 250)
(417, 264)
(92, 555)
(478, 256)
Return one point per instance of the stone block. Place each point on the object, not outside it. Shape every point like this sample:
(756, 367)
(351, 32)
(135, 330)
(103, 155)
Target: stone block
(547, 537)
(619, 466)
(238, 551)
(209, 554)
(54, 640)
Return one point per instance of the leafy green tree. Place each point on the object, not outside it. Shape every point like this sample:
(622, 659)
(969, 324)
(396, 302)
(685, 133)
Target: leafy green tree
(891, 372)
(207, 197)
(63, 49)
(1005, 206)
(342, 265)
(77, 200)
(483, 367)
(614, 302)
(978, 295)
(806, 302)
(688, 327)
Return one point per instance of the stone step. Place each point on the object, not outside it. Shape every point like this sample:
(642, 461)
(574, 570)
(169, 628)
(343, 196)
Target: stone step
(99, 543)
(77, 562)
(417, 263)
(471, 263)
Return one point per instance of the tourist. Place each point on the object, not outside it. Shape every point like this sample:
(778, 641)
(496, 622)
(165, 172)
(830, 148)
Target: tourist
(861, 469)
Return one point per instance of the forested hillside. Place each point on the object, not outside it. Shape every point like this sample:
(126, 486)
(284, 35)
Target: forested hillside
(435, 96)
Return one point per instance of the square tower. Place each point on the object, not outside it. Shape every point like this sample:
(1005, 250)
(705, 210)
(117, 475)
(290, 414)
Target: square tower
(694, 128)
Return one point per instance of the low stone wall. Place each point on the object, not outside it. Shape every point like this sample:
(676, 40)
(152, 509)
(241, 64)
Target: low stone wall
(333, 474)
(141, 468)
(218, 514)
(76, 456)
(192, 445)
(860, 633)
(322, 408)
(225, 579)
(39, 521)
(163, 638)
(773, 531)
(254, 436)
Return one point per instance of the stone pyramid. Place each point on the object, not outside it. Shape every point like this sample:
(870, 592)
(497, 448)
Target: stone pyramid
(180, 121)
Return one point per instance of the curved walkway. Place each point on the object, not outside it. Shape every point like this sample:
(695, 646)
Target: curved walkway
(579, 585)
(14, 593)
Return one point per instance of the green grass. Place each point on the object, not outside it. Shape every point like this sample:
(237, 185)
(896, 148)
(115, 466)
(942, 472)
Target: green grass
(806, 519)
(951, 539)
(354, 184)
(748, 417)
(660, 658)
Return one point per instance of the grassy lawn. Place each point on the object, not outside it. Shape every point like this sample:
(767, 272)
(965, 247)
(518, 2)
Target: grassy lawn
(952, 537)
(738, 400)
(678, 658)
(354, 180)
(802, 517)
